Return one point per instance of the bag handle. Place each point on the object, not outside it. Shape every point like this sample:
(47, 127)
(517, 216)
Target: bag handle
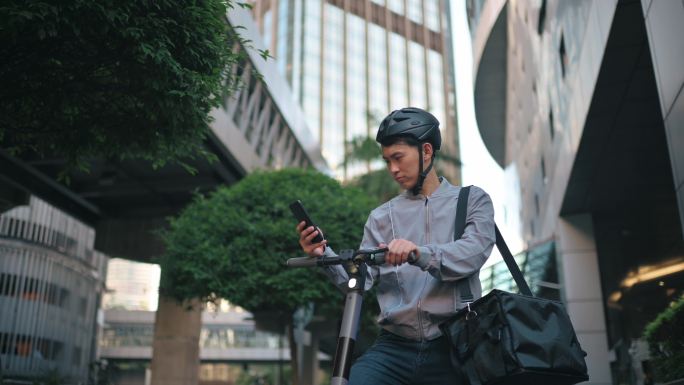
(461, 212)
(512, 266)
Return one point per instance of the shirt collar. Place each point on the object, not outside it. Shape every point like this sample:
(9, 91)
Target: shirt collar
(443, 186)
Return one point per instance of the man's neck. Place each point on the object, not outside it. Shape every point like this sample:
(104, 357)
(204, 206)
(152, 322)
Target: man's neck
(430, 184)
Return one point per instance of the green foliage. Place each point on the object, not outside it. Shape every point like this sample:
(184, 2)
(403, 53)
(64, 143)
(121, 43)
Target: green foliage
(131, 79)
(265, 375)
(233, 243)
(362, 149)
(665, 336)
(378, 184)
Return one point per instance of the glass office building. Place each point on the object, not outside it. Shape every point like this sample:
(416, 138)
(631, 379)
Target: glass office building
(350, 62)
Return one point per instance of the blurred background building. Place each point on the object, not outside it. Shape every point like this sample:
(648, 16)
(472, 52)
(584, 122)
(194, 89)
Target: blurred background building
(582, 99)
(232, 350)
(51, 285)
(350, 62)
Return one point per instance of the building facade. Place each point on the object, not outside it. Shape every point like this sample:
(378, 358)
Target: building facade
(131, 285)
(350, 62)
(583, 99)
(51, 283)
(231, 348)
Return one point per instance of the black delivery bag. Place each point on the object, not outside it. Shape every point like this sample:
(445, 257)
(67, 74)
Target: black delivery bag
(513, 339)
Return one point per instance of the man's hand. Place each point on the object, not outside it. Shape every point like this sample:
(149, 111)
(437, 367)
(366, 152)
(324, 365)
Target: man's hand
(305, 237)
(399, 250)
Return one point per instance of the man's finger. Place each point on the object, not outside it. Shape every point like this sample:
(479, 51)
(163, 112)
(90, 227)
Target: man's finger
(311, 235)
(307, 231)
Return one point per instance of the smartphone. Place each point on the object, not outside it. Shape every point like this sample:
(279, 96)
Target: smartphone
(300, 213)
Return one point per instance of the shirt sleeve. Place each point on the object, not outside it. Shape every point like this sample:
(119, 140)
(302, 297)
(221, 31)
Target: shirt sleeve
(462, 258)
(338, 275)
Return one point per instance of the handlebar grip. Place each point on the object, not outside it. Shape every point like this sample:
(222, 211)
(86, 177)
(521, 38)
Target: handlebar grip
(379, 259)
(302, 262)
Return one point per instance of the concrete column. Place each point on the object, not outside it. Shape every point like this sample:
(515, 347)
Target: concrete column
(175, 350)
(582, 294)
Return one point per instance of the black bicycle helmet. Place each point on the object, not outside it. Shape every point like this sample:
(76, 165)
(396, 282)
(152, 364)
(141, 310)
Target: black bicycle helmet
(417, 124)
(413, 123)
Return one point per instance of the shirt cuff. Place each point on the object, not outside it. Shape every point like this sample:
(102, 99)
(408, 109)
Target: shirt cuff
(424, 258)
(328, 252)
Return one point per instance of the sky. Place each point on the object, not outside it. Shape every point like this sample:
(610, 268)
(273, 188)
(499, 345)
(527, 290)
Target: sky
(479, 168)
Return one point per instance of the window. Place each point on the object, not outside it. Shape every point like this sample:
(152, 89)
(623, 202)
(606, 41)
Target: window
(536, 203)
(76, 356)
(543, 171)
(542, 17)
(552, 129)
(63, 298)
(563, 56)
(83, 307)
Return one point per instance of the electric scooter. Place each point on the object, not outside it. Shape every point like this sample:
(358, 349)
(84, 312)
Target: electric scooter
(356, 264)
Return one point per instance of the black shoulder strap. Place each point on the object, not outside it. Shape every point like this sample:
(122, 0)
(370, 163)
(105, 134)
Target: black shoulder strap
(461, 213)
(512, 266)
(459, 229)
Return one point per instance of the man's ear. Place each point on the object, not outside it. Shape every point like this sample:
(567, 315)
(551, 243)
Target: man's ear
(427, 150)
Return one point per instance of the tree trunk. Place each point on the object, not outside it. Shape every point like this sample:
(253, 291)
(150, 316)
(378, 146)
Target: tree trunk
(175, 349)
(293, 355)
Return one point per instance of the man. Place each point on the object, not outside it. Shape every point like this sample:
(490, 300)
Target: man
(415, 298)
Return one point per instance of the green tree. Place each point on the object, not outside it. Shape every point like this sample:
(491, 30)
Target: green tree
(233, 243)
(131, 79)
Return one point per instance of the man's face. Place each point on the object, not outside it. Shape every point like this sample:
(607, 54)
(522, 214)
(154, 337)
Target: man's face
(402, 163)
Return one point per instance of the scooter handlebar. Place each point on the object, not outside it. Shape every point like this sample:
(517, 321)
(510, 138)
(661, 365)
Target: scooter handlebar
(302, 262)
(371, 258)
(379, 259)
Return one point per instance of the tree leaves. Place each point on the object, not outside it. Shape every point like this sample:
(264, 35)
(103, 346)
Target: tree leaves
(233, 243)
(122, 80)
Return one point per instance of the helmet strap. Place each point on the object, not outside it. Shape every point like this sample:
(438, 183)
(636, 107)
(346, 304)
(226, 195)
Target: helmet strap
(422, 174)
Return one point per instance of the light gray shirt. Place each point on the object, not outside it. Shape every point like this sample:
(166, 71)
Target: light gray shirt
(415, 299)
